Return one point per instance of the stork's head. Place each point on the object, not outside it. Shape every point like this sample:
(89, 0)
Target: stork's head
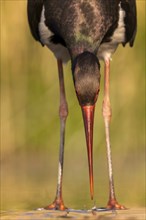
(86, 75)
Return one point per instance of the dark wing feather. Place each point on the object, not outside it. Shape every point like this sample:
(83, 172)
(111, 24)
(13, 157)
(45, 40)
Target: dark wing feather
(130, 20)
(34, 9)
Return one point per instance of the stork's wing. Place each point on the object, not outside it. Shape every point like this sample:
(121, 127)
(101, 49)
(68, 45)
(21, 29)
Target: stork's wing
(34, 9)
(130, 20)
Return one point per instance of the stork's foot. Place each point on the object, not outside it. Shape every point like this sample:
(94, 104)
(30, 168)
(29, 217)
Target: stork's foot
(57, 205)
(114, 205)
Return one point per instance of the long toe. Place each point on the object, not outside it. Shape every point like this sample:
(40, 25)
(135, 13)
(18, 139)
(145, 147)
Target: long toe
(56, 205)
(114, 205)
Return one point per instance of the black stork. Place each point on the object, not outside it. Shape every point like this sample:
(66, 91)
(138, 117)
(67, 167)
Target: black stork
(84, 31)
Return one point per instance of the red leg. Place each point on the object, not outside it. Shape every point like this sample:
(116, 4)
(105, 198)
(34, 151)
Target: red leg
(112, 203)
(58, 203)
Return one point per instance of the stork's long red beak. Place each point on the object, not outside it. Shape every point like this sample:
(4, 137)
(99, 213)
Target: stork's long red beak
(88, 117)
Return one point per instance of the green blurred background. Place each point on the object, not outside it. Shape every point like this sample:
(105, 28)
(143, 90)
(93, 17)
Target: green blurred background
(30, 122)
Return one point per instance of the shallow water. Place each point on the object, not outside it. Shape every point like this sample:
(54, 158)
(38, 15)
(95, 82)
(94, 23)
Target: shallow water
(134, 214)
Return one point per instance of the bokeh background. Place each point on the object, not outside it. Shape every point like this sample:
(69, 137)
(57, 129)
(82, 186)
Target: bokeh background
(30, 122)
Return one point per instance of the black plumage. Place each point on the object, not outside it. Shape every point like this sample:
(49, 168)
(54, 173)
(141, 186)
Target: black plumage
(61, 19)
(130, 20)
(34, 9)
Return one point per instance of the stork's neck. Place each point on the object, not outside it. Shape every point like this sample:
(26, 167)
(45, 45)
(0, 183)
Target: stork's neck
(81, 47)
